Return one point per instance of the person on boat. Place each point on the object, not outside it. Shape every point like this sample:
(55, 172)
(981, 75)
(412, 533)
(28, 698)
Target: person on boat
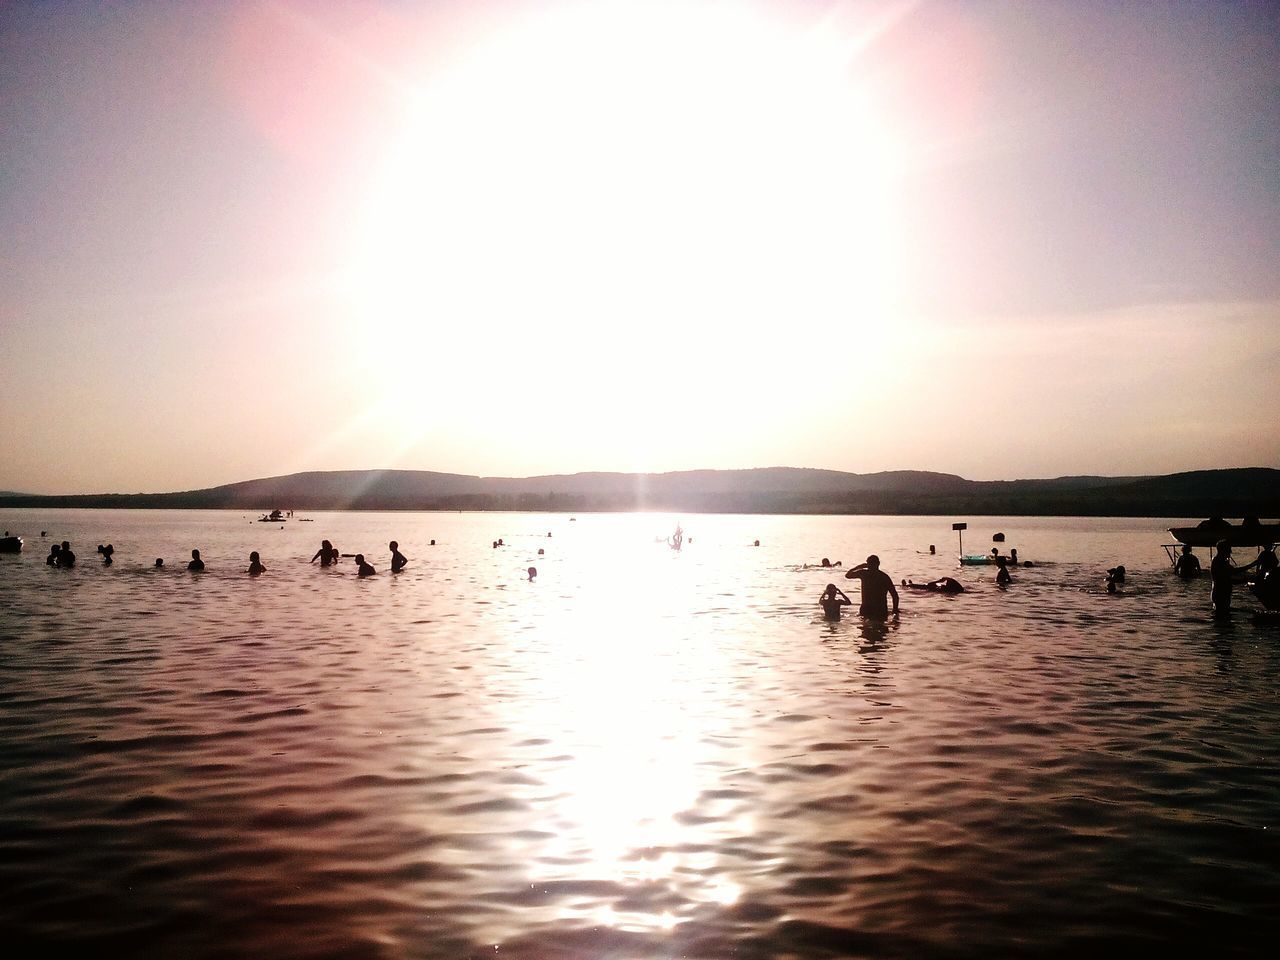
(326, 554)
(363, 567)
(1222, 572)
(1188, 565)
(398, 559)
(255, 564)
(65, 557)
(52, 558)
(1002, 574)
(196, 565)
(877, 587)
(676, 540)
(832, 599)
(941, 585)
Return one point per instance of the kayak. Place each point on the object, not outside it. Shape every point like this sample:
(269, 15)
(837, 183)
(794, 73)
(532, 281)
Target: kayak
(10, 544)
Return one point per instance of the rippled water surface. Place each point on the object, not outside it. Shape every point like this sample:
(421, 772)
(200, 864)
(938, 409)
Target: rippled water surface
(641, 753)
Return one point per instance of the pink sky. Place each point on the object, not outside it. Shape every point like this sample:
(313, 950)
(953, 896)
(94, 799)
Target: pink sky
(996, 239)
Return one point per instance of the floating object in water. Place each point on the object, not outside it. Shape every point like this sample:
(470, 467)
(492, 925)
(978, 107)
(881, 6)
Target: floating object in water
(10, 544)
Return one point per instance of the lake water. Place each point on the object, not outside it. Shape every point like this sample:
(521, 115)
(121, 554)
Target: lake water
(641, 753)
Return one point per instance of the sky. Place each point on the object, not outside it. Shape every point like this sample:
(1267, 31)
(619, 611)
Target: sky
(998, 239)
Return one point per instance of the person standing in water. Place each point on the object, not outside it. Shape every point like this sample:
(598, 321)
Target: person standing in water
(363, 568)
(398, 559)
(1221, 570)
(52, 558)
(832, 599)
(326, 554)
(196, 565)
(877, 587)
(1002, 575)
(255, 564)
(65, 557)
(1188, 565)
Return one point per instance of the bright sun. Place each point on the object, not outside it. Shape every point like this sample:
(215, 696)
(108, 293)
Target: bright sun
(607, 195)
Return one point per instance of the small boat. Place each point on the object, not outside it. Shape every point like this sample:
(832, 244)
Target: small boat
(977, 560)
(1207, 533)
(10, 544)
(275, 516)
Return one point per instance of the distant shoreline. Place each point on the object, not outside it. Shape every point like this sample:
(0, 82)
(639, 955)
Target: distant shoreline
(782, 491)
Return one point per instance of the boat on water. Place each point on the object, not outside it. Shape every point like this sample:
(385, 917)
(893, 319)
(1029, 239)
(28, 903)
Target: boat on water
(977, 560)
(275, 516)
(1207, 533)
(10, 544)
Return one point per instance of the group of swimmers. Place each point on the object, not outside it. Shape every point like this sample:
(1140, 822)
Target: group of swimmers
(877, 588)
(1265, 582)
(328, 555)
(60, 555)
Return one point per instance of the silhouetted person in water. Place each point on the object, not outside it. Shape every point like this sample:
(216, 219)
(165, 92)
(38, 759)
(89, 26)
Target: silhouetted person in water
(877, 587)
(932, 549)
(941, 585)
(159, 563)
(52, 558)
(832, 599)
(1002, 575)
(65, 557)
(1265, 562)
(1221, 570)
(196, 565)
(1188, 565)
(363, 568)
(1116, 573)
(1013, 556)
(255, 564)
(106, 552)
(326, 554)
(676, 540)
(398, 559)
(533, 572)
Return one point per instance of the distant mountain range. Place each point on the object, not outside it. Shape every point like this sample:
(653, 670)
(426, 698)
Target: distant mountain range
(1228, 493)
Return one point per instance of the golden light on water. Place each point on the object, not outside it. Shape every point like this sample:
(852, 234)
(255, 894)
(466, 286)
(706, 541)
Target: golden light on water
(623, 694)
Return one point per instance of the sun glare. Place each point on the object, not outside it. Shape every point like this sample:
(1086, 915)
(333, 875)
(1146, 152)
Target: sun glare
(606, 196)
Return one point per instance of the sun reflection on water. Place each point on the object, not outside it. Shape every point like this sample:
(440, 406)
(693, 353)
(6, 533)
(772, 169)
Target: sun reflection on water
(639, 729)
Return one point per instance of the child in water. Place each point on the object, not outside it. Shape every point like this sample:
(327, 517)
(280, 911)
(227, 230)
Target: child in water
(832, 600)
(363, 568)
(1002, 577)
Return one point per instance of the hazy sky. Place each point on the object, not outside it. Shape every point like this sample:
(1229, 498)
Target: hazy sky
(1000, 239)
